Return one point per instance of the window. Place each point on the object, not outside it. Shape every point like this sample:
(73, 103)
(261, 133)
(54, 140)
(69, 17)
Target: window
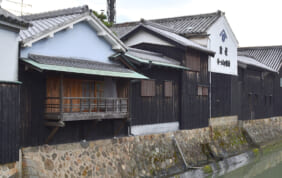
(226, 51)
(203, 91)
(220, 50)
(168, 88)
(148, 88)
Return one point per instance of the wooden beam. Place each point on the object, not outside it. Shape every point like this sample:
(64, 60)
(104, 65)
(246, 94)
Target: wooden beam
(120, 127)
(55, 124)
(49, 138)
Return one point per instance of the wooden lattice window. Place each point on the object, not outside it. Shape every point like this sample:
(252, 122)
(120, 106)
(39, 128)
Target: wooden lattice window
(148, 88)
(168, 88)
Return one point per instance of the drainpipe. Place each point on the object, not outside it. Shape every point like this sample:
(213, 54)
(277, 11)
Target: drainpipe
(210, 78)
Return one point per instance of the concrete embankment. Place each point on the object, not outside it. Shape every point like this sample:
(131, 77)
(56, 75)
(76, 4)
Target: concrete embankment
(150, 155)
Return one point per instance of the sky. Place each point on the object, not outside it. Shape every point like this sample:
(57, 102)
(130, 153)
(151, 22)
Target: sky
(254, 22)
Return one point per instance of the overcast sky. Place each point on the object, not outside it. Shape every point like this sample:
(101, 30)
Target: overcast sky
(254, 22)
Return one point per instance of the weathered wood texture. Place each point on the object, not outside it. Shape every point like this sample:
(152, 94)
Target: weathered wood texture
(195, 108)
(220, 95)
(157, 108)
(9, 122)
(33, 92)
(256, 94)
(278, 94)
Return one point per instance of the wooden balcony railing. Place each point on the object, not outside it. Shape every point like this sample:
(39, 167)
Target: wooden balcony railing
(78, 108)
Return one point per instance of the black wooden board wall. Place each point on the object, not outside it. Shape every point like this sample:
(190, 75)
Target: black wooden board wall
(9, 122)
(158, 108)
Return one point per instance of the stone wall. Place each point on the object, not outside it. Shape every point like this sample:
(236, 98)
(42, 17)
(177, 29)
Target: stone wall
(149, 155)
(263, 130)
(9, 170)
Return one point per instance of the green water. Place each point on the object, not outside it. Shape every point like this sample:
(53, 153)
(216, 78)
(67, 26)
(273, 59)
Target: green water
(268, 164)
(265, 164)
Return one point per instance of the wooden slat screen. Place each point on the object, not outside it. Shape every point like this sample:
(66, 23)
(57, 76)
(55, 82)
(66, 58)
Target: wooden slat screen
(168, 88)
(148, 88)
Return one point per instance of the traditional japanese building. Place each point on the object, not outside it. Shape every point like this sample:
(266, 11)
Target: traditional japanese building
(71, 90)
(214, 32)
(176, 97)
(261, 90)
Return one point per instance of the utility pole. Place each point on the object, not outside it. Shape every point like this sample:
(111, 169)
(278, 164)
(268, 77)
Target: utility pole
(111, 11)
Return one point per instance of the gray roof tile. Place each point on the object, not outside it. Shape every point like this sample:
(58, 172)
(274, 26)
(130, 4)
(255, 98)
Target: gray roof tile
(48, 21)
(79, 63)
(12, 19)
(151, 56)
(185, 25)
(270, 56)
(171, 35)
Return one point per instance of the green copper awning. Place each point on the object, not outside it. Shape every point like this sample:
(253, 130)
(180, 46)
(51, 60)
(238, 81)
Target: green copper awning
(48, 67)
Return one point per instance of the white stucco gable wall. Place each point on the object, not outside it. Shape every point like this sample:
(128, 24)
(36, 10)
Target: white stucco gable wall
(8, 55)
(80, 42)
(145, 37)
(231, 43)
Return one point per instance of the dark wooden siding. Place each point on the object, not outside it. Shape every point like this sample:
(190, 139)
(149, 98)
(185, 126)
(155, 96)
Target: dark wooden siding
(256, 94)
(9, 122)
(220, 95)
(158, 108)
(33, 95)
(278, 94)
(195, 108)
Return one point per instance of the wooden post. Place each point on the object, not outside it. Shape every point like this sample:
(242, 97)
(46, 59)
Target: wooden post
(70, 105)
(89, 105)
(61, 95)
(98, 107)
(80, 107)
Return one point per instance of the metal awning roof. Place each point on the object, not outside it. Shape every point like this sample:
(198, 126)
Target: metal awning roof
(99, 70)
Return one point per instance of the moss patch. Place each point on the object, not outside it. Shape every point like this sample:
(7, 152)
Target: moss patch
(207, 169)
(256, 151)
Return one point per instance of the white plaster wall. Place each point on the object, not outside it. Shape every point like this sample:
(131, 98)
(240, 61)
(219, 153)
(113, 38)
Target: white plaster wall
(145, 37)
(154, 128)
(215, 42)
(201, 41)
(81, 42)
(8, 55)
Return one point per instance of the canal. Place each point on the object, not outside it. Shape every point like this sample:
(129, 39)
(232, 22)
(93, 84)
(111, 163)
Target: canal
(257, 163)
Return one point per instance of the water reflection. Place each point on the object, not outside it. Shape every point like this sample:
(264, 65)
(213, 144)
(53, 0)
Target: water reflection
(268, 164)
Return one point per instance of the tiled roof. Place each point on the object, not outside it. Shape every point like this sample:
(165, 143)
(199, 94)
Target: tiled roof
(12, 19)
(169, 34)
(148, 57)
(48, 21)
(78, 63)
(151, 56)
(253, 62)
(185, 25)
(270, 56)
